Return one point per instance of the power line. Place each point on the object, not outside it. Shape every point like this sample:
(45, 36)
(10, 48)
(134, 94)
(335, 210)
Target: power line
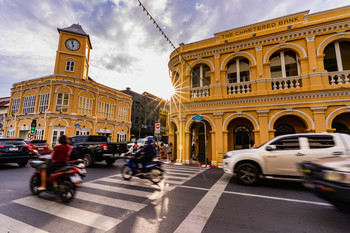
(168, 40)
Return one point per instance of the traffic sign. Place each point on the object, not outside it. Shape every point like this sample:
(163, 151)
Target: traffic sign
(157, 128)
(31, 136)
(197, 118)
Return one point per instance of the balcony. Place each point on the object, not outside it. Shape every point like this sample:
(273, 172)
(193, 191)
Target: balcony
(198, 92)
(238, 88)
(286, 83)
(339, 77)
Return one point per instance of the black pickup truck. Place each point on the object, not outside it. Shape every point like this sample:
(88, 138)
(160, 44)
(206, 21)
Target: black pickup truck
(95, 148)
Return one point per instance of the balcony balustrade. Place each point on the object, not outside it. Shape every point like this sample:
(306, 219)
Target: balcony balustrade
(198, 92)
(339, 77)
(238, 88)
(286, 83)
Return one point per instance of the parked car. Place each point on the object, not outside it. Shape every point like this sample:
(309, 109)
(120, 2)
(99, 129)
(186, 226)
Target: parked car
(96, 148)
(40, 145)
(14, 150)
(329, 178)
(279, 157)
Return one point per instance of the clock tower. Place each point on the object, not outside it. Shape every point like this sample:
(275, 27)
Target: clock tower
(72, 57)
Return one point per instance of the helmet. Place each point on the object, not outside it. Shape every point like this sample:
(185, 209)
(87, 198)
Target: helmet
(149, 139)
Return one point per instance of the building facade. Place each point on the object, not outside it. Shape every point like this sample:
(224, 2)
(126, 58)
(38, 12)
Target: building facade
(285, 75)
(68, 101)
(147, 110)
(4, 105)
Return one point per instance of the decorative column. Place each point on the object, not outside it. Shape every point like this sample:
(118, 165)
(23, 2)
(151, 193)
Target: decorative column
(316, 81)
(225, 141)
(216, 81)
(264, 127)
(319, 115)
(218, 146)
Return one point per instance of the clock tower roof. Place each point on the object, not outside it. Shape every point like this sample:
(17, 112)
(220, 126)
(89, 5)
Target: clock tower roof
(75, 29)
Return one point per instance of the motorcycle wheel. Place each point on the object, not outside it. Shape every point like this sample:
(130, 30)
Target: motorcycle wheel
(67, 190)
(126, 172)
(35, 182)
(156, 175)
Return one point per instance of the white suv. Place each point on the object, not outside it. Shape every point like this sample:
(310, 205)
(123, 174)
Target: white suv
(279, 157)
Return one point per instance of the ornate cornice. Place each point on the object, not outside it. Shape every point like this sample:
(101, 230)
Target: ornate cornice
(283, 37)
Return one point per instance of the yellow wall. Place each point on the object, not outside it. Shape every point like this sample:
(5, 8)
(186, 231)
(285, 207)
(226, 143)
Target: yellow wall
(311, 104)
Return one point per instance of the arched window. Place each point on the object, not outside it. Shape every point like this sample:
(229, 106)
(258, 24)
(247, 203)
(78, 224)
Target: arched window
(241, 137)
(284, 63)
(337, 56)
(284, 129)
(176, 79)
(238, 70)
(200, 76)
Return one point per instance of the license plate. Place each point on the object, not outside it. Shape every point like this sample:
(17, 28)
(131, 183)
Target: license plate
(76, 179)
(13, 148)
(40, 148)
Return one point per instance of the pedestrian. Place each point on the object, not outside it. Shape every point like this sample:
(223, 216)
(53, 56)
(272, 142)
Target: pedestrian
(252, 144)
(162, 151)
(135, 147)
(169, 152)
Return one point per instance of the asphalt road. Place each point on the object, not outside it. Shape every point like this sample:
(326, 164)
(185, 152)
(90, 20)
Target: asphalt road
(190, 199)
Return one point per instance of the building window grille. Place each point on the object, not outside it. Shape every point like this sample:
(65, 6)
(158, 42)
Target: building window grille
(85, 106)
(44, 102)
(15, 106)
(123, 114)
(39, 134)
(284, 64)
(62, 102)
(105, 110)
(70, 65)
(121, 137)
(238, 71)
(29, 104)
(337, 56)
(10, 133)
(200, 76)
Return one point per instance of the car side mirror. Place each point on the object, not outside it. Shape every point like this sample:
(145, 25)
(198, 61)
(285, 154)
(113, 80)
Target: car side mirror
(271, 147)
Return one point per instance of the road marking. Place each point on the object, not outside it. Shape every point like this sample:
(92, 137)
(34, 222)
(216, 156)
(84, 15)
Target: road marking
(278, 198)
(131, 192)
(70, 213)
(11, 225)
(200, 214)
(128, 205)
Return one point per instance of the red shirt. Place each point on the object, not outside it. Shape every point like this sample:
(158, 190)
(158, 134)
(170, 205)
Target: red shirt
(61, 153)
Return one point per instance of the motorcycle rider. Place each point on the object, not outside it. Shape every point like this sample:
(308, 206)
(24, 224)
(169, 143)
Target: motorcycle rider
(60, 156)
(146, 154)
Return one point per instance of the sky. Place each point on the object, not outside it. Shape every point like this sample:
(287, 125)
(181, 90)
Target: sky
(128, 50)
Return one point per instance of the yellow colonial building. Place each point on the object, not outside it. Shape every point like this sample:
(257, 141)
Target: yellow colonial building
(68, 101)
(285, 75)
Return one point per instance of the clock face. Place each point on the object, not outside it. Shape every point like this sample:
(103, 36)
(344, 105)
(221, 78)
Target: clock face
(72, 44)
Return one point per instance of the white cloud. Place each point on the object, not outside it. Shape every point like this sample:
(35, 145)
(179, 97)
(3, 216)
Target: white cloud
(128, 51)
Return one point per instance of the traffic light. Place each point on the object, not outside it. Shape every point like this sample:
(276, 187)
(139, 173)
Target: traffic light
(33, 125)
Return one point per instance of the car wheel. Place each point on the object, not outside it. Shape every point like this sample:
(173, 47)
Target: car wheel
(248, 174)
(87, 160)
(22, 163)
(110, 162)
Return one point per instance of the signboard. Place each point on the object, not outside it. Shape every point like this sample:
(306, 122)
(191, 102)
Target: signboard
(157, 128)
(77, 125)
(31, 136)
(197, 118)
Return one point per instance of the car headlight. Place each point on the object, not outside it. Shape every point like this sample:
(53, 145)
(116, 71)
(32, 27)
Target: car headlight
(341, 177)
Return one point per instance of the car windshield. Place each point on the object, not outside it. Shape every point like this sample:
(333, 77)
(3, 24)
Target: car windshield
(12, 142)
(38, 142)
(141, 141)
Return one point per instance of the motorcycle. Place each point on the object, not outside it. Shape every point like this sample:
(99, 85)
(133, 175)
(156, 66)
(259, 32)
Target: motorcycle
(62, 182)
(152, 171)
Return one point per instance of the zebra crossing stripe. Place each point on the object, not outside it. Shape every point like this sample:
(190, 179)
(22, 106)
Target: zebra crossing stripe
(131, 192)
(128, 205)
(95, 220)
(11, 225)
(174, 182)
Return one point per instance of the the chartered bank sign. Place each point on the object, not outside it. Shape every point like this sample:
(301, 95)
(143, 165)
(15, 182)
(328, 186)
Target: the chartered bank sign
(265, 26)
